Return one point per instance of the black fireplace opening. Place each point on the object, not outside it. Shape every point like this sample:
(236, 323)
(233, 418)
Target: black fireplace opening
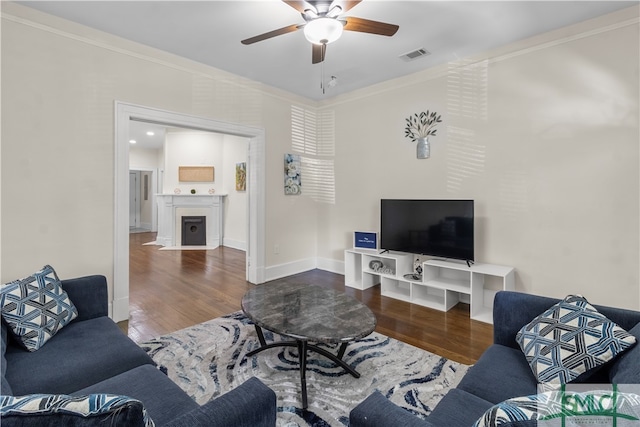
(194, 231)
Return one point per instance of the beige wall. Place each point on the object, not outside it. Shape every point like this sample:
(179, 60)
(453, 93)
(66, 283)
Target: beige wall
(548, 148)
(545, 141)
(59, 82)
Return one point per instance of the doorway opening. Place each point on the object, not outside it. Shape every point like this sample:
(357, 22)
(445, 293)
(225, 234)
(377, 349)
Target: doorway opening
(143, 212)
(255, 253)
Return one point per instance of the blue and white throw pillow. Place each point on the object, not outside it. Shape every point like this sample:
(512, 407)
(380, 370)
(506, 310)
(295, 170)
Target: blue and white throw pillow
(569, 339)
(36, 308)
(93, 407)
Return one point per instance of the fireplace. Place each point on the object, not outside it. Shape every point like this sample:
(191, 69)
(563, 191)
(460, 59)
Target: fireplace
(171, 209)
(194, 231)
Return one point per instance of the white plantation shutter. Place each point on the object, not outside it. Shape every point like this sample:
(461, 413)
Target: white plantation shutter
(313, 136)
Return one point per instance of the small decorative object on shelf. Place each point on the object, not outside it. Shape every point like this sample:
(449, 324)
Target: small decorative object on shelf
(193, 191)
(419, 127)
(212, 191)
(177, 191)
(417, 266)
(376, 265)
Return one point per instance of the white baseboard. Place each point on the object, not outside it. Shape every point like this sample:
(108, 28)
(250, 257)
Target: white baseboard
(283, 270)
(119, 309)
(234, 244)
(331, 265)
(289, 269)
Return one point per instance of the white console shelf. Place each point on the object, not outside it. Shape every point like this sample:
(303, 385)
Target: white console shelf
(443, 283)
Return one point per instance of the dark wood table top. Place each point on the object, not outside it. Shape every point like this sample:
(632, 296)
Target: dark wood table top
(308, 312)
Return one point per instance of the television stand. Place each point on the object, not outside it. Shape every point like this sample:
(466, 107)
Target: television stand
(443, 283)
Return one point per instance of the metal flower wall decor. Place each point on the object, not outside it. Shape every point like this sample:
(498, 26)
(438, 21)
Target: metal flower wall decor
(419, 127)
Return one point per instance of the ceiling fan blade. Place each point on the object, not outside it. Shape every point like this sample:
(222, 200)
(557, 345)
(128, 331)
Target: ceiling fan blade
(317, 53)
(298, 5)
(274, 33)
(372, 27)
(345, 4)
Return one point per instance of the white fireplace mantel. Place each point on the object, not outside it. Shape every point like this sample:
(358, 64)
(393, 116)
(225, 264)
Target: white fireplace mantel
(171, 207)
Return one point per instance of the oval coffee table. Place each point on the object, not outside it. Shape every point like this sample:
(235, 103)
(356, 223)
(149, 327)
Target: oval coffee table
(308, 313)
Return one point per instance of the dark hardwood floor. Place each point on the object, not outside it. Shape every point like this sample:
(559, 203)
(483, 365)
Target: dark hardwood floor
(171, 290)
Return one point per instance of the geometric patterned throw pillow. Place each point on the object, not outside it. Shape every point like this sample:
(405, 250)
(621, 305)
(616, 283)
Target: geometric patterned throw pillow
(36, 308)
(570, 338)
(105, 409)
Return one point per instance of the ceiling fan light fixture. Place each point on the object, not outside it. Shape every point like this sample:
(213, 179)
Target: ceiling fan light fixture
(323, 30)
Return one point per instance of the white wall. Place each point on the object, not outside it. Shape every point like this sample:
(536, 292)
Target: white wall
(193, 148)
(144, 158)
(236, 207)
(543, 136)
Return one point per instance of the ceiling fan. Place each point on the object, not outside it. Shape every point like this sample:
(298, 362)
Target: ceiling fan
(323, 24)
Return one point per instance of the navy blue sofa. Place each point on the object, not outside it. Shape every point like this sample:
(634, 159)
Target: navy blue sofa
(91, 355)
(501, 373)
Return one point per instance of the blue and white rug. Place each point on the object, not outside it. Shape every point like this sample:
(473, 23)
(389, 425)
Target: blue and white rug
(208, 359)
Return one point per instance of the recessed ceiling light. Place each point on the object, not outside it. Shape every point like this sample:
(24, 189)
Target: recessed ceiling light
(132, 141)
(150, 133)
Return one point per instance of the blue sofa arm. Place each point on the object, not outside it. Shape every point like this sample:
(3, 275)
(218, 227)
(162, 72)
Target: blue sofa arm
(252, 404)
(377, 411)
(90, 296)
(513, 310)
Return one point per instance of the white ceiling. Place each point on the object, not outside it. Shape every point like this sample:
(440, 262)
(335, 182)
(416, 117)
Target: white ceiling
(210, 32)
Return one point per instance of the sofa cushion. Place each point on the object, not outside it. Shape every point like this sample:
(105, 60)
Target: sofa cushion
(597, 407)
(81, 354)
(93, 410)
(569, 339)
(251, 404)
(162, 398)
(37, 307)
(458, 409)
(504, 364)
(626, 368)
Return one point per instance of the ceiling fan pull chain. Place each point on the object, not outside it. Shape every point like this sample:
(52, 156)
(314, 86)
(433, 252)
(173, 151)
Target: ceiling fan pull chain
(322, 76)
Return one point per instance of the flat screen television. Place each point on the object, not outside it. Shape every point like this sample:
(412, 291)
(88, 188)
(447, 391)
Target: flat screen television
(440, 228)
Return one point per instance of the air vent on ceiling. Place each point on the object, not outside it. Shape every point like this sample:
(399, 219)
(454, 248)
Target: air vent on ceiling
(415, 54)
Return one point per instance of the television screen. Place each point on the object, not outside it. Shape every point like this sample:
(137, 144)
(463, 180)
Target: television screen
(440, 228)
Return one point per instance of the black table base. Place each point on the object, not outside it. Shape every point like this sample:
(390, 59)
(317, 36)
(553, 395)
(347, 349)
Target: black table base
(303, 346)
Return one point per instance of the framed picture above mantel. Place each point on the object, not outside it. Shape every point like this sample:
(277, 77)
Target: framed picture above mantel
(195, 173)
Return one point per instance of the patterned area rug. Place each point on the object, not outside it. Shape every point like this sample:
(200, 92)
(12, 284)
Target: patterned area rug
(208, 359)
